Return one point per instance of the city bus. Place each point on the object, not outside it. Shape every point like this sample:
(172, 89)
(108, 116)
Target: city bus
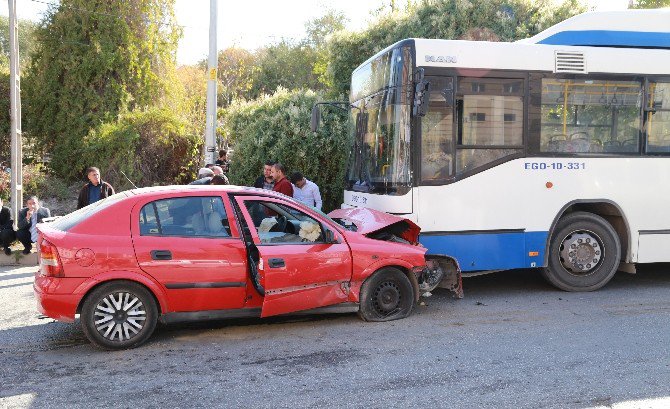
(551, 152)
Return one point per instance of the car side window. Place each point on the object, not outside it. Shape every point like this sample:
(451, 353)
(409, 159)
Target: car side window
(185, 216)
(280, 224)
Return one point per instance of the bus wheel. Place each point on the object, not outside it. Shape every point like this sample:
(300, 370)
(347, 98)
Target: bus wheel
(584, 253)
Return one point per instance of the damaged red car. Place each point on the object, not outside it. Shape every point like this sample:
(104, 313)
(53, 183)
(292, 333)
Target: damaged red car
(181, 253)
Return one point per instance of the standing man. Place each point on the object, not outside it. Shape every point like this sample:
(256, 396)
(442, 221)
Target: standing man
(306, 191)
(7, 235)
(29, 216)
(266, 181)
(282, 185)
(94, 190)
(223, 161)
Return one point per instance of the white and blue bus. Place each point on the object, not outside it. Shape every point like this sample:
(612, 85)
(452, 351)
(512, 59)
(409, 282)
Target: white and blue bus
(551, 152)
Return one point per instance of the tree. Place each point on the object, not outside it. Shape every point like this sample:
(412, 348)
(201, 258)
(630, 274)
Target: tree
(26, 41)
(236, 71)
(285, 64)
(94, 61)
(319, 29)
(648, 4)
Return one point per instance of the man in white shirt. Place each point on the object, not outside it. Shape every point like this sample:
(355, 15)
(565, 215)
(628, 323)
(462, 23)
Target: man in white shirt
(306, 191)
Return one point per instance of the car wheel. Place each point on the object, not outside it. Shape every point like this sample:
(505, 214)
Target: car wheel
(119, 315)
(386, 295)
(584, 253)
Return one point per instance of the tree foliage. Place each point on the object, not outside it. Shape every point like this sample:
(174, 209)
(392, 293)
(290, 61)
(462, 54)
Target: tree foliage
(26, 44)
(649, 4)
(151, 147)
(94, 61)
(502, 20)
(277, 128)
(26, 41)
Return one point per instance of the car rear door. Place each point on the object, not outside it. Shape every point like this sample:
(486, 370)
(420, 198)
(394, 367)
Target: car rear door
(186, 244)
(297, 268)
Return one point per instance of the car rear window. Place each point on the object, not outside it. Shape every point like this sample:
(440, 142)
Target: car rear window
(70, 220)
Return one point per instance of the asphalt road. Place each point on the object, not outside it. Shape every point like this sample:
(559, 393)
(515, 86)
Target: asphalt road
(512, 342)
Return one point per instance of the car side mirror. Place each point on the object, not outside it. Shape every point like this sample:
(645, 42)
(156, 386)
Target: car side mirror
(316, 118)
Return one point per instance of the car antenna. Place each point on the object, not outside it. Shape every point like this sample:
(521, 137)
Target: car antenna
(128, 179)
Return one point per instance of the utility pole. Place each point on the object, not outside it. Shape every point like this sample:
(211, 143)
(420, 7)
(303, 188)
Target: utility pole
(212, 63)
(15, 114)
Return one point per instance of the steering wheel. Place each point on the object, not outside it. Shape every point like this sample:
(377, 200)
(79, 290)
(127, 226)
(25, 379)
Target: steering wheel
(290, 228)
(280, 226)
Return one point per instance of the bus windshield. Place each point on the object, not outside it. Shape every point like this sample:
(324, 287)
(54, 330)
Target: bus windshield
(380, 157)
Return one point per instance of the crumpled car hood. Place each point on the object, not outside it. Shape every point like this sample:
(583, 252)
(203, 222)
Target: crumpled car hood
(369, 221)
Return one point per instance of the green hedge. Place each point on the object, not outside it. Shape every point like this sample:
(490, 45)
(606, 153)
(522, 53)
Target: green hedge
(277, 128)
(152, 147)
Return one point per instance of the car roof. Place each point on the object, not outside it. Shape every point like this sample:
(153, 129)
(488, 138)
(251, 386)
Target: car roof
(218, 189)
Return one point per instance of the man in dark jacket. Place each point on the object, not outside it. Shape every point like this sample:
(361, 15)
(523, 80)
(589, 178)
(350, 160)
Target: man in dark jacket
(94, 190)
(7, 235)
(282, 185)
(29, 217)
(266, 181)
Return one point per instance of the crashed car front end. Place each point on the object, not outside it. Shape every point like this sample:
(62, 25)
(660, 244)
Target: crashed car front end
(435, 271)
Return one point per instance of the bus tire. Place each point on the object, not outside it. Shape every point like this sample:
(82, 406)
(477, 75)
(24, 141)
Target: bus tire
(584, 253)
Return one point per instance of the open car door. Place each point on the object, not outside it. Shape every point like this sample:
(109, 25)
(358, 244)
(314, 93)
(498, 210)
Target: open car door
(297, 268)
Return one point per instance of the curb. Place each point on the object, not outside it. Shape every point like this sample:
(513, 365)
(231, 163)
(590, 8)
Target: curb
(19, 259)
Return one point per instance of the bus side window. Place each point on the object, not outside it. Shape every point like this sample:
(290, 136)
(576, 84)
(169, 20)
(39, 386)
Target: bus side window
(590, 116)
(490, 121)
(657, 117)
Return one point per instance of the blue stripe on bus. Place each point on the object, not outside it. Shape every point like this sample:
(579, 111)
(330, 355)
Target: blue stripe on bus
(489, 251)
(609, 38)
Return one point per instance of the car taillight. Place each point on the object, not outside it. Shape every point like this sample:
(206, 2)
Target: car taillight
(50, 264)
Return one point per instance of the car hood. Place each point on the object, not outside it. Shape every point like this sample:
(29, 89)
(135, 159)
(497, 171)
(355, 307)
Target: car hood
(370, 221)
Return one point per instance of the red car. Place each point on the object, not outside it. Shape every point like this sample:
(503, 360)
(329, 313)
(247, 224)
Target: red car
(180, 253)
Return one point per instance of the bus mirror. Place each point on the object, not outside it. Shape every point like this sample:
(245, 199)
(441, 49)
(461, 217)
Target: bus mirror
(316, 118)
(421, 98)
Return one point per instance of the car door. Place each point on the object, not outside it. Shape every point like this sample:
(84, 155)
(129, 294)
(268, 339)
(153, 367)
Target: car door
(298, 269)
(185, 243)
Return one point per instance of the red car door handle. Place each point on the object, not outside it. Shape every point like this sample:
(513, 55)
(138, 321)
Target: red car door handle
(276, 263)
(161, 255)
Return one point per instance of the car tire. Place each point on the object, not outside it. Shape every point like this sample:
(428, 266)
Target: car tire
(386, 295)
(584, 253)
(119, 315)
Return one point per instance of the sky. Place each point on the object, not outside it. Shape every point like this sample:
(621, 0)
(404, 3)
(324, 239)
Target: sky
(254, 23)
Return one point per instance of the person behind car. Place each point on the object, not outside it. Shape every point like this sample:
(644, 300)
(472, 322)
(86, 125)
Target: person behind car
(218, 171)
(29, 217)
(204, 177)
(219, 180)
(282, 185)
(223, 161)
(306, 191)
(266, 181)
(96, 189)
(7, 235)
